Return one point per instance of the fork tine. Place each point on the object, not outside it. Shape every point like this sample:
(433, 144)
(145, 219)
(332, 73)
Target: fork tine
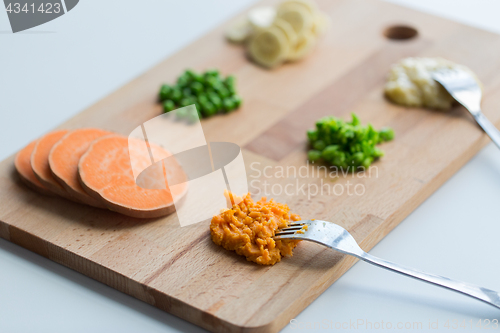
(281, 235)
(294, 227)
(286, 235)
(287, 231)
(296, 223)
(298, 227)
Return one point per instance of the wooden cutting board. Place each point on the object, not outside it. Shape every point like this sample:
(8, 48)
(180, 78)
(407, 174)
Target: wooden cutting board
(179, 269)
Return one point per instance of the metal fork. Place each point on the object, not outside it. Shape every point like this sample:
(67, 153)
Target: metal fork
(465, 90)
(335, 237)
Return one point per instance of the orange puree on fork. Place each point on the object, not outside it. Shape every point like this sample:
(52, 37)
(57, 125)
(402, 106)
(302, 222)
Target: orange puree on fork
(249, 227)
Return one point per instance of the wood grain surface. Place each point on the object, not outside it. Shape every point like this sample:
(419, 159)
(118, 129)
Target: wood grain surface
(179, 269)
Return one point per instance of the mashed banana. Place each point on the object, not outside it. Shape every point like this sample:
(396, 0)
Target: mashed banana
(410, 83)
(249, 227)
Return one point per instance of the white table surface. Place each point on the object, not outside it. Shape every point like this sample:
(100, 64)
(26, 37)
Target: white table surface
(52, 72)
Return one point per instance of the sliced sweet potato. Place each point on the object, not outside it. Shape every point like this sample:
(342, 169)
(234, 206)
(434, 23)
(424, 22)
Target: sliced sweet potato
(63, 161)
(23, 167)
(40, 162)
(105, 173)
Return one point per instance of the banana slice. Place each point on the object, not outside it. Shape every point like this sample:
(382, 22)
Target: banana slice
(310, 6)
(239, 31)
(321, 23)
(304, 45)
(261, 17)
(287, 29)
(299, 18)
(269, 47)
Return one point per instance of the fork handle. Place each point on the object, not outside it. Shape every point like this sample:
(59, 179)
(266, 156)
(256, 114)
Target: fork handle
(486, 295)
(488, 127)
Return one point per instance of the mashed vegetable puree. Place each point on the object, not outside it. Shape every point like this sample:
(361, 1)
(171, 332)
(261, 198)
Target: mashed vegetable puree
(249, 227)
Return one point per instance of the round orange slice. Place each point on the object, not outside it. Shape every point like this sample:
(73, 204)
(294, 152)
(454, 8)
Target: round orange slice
(40, 162)
(105, 172)
(63, 162)
(23, 167)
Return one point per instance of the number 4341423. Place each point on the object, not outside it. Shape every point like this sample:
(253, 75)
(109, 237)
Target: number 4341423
(481, 323)
(47, 8)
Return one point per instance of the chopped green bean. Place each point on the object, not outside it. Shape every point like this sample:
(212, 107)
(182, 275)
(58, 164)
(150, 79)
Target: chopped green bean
(165, 92)
(176, 95)
(168, 105)
(346, 144)
(314, 155)
(196, 87)
(228, 104)
(209, 91)
(386, 134)
(237, 100)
